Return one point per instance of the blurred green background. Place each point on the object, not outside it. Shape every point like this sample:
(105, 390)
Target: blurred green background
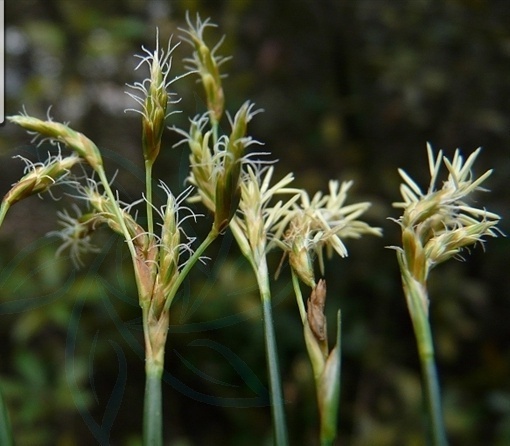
(351, 90)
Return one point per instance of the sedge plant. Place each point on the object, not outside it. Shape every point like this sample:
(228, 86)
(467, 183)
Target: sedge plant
(437, 225)
(235, 184)
(162, 253)
(315, 225)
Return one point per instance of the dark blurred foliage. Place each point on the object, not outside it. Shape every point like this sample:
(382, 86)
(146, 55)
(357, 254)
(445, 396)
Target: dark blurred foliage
(351, 90)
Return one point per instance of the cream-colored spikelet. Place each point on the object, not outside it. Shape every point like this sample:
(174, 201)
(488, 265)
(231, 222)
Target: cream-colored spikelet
(254, 224)
(439, 223)
(216, 166)
(56, 132)
(40, 177)
(207, 63)
(319, 223)
(76, 234)
(154, 96)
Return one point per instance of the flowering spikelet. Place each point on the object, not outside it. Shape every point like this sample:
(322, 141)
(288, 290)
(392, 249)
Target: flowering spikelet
(206, 63)
(76, 234)
(57, 132)
(256, 219)
(105, 210)
(204, 161)
(144, 245)
(215, 167)
(227, 193)
(438, 224)
(318, 223)
(154, 97)
(40, 177)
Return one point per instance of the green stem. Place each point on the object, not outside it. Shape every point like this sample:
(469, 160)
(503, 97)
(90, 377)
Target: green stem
(299, 296)
(280, 429)
(118, 213)
(152, 410)
(417, 302)
(155, 340)
(213, 234)
(433, 393)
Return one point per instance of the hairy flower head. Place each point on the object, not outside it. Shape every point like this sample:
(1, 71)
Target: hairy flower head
(321, 222)
(216, 165)
(56, 132)
(257, 217)
(206, 63)
(40, 177)
(76, 234)
(154, 96)
(439, 223)
(174, 245)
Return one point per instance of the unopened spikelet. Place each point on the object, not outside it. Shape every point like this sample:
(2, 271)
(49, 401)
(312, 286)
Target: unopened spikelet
(59, 132)
(40, 178)
(228, 192)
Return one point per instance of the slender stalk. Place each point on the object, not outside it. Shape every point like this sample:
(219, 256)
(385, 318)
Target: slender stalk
(152, 410)
(277, 405)
(104, 181)
(155, 333)
(213, 234)
(430, 377)
(155, 329)
(416, 295)
(299, 296)
(155, 339)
